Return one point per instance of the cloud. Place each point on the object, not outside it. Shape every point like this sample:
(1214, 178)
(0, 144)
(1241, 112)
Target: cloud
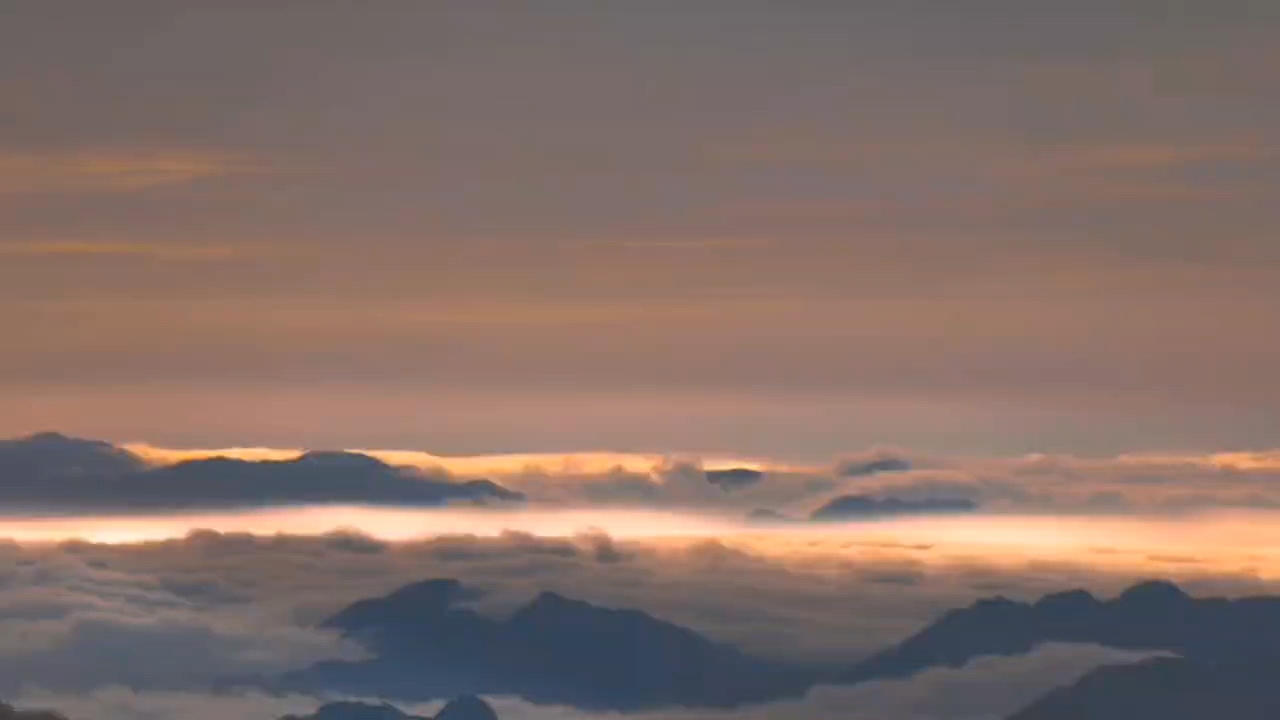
(137, 251)
(117, 170)
(124, 703)
(986, 689)
(1265, 461)
(1006, 179)
(68, 625)
(78, 618)
(1133, 483)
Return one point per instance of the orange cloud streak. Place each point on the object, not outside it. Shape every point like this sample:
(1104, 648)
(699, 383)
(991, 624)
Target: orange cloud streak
(108, 170)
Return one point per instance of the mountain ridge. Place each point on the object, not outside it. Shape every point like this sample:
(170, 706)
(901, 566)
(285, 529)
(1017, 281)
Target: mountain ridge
(50, 471)
(553, 649)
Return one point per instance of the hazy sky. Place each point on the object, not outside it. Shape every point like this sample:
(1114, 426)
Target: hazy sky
(791, 229)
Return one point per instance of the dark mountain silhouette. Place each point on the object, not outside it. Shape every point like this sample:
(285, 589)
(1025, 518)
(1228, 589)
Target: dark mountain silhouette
(765, 516)
(864, 468)
(348, 710)
(50, 458)
(8, 712)
(1166, 689)
(427, 645)
(316, 477)
(552, 650)
(1148, 616)
(467, 707)
(53, 472)
(859, 507)
(734, 478)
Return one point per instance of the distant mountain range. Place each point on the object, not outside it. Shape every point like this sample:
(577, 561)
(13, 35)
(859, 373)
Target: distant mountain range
(8, 712)
(1228, 664)
(52, 472)
(426, 644)
(849, 508)
(552, 650)
(733, 478)
(1166, 689)
(1152, 615)
(467, 707)
(52, 457)
(860, 507)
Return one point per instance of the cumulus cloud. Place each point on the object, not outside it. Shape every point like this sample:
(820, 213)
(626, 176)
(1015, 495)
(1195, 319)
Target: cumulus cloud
(798, 598)
(71, 624)
(130, 631)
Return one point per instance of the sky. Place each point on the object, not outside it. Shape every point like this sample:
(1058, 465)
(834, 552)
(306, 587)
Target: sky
(791, 230)
(1019, 253)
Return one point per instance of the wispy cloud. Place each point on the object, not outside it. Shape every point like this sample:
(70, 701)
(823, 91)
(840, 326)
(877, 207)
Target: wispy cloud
(114, 170)
(999, 157)
(981, 178)
(142, 251)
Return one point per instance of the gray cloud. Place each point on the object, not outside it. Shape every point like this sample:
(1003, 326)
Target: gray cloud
(986, 689)
(72, 624)
(123, 632)
(872, 464)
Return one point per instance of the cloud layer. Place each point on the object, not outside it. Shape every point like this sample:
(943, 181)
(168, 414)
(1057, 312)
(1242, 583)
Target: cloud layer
(1127, 483)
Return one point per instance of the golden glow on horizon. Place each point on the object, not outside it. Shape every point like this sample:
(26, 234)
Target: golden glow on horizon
(1242, 461)
(1235, 543)
(391, 524)
(600, 462)
(579, 463)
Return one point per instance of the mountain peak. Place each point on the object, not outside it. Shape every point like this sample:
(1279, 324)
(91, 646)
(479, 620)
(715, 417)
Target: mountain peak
(1154, 593)
(49, 437)
(466, 707)
(860, 507)
(548, 605)
(1071, 602)
(349, 710)
(416, 600)
(734, 478)
(340, 459)
(8, 712)
(444, 591)
(554, 649)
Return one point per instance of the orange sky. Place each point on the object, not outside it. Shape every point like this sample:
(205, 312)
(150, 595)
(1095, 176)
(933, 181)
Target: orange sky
(767, 230)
